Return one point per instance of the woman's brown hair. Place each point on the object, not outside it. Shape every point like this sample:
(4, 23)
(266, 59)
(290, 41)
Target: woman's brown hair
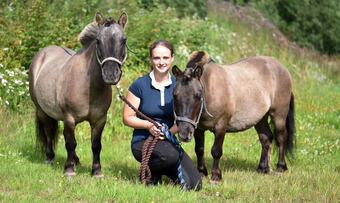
(161, 42)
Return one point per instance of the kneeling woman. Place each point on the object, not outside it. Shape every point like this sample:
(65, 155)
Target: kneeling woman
(152, 95)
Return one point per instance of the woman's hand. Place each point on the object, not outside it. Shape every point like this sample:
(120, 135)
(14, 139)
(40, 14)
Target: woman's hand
(155, 131)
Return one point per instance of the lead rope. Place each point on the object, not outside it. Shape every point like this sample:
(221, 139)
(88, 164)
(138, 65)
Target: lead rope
(172, 138)
(146, 151)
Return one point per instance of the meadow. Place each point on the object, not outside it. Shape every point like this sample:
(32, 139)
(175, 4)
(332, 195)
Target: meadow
(314, 169)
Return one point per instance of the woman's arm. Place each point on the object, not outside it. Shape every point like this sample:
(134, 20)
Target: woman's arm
(130, 119)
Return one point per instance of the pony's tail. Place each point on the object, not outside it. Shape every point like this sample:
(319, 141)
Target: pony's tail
(290, 126)
(41, 137)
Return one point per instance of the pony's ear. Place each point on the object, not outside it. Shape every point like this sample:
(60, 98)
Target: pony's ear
(123, 19)
(176, 71)
(198, 72)
(99, 19)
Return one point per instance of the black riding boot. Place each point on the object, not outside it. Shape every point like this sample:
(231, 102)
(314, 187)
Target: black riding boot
(155, 178)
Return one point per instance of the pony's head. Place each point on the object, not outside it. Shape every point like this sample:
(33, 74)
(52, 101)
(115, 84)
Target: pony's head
(188, 100)
(111, 47)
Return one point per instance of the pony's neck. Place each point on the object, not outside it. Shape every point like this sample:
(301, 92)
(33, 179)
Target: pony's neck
(92, 66)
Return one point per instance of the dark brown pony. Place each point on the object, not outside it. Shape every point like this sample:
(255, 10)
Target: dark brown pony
(232, 98)
(74, 87)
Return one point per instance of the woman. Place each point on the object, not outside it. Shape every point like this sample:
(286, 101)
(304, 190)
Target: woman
(152, 95)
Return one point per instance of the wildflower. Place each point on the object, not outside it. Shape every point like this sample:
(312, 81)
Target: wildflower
(18, 82)
(1, 65)
(10, 73)
(6, 102)
(5, 49)
(4, 82)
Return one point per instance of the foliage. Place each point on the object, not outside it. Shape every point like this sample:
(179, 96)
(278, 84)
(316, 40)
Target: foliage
(183, 7)
(310, 23)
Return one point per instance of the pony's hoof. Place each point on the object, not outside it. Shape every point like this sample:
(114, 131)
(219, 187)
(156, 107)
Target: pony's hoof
(203, 174)
(98, 174)
(69, 172)
(264, 170)
(281, 170)
(216, 177)
(203, 171)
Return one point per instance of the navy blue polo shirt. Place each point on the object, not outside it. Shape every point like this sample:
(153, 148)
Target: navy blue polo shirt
(154, 103)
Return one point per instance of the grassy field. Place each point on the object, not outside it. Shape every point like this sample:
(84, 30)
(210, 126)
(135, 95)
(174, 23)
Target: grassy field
(314, 170)
(313, 174)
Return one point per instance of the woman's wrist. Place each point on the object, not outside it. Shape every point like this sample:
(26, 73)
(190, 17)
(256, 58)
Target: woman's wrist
(149, 125)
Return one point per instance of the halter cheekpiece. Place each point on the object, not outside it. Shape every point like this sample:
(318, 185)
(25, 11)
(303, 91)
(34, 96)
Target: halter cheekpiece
(188, 120)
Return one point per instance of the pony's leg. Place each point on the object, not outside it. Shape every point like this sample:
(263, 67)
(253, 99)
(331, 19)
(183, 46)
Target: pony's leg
(70, 144)
(199, 149)
(281, 138)
(266, 138)
(47, 131)
(216, 152)
(96, 134)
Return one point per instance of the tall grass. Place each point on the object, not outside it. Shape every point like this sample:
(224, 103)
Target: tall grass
(313, 174)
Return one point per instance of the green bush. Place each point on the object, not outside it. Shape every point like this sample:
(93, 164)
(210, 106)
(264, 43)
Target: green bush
(183, 7)
(309, 22)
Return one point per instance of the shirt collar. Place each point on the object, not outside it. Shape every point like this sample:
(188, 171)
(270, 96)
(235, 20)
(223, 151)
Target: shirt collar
(157, 85)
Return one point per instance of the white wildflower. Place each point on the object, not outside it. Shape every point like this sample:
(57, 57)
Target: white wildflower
(10, 73)
(304, 152)
(6, 102)
(4, 82)
(5, 49)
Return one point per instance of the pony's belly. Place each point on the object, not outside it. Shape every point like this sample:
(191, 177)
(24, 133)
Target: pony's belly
(236, 126)
(49, 105)
(45, 93)
(243, 121)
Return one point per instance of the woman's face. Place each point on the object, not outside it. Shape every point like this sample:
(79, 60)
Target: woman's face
(161, 59)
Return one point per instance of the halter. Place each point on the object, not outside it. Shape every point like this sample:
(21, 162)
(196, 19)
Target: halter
(188, 120)
(101, 63)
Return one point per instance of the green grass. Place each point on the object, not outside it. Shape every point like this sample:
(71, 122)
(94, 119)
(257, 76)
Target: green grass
(313, 174)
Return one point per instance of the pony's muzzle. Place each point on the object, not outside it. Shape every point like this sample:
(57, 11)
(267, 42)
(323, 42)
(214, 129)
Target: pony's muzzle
(185, 131)
(111, 73)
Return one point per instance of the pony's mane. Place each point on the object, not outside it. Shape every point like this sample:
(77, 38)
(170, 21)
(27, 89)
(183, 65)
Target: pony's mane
(88, 34)
(198, 58)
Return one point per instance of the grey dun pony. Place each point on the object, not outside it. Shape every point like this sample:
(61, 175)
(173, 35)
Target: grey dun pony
(73, 87)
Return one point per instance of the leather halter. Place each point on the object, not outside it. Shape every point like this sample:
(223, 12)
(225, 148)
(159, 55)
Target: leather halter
(203, 104)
